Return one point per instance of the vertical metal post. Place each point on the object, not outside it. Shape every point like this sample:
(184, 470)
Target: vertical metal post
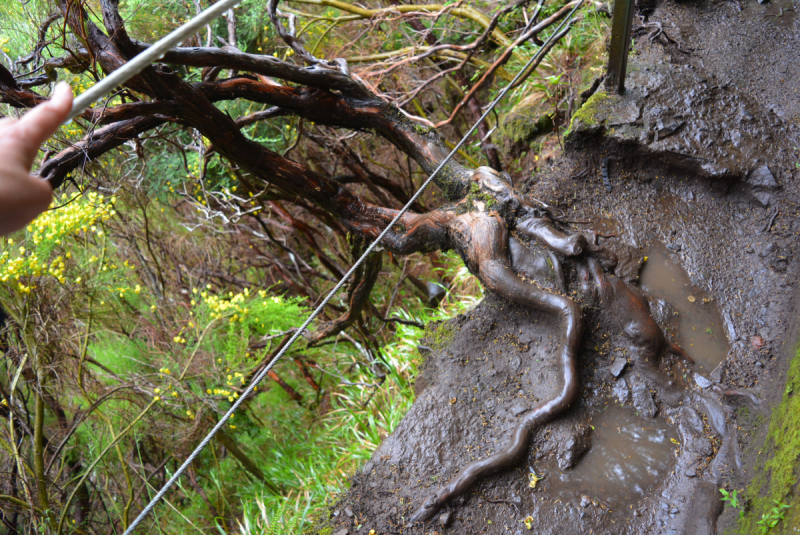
(621, 23)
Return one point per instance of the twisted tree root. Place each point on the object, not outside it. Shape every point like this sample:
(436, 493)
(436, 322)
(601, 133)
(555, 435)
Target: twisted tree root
(502, 280)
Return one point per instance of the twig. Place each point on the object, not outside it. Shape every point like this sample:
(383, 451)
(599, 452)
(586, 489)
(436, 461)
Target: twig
(771, 221)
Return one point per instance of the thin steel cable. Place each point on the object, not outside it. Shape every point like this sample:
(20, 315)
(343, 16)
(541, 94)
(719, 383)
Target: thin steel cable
(299, 332)
(146, 57)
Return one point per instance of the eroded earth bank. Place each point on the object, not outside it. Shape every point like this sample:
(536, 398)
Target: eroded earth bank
(693, 178)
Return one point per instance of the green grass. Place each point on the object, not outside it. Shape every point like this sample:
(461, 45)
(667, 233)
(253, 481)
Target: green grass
(314, 452)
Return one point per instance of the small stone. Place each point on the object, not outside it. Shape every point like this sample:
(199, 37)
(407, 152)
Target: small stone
(664, 506)
(701, 381)
(690, 472)
(348, 512)
(336, 513)
(759, 364)
(585, 501)
(762, 178)
(643, 401)
(618, 365)
(444, 519)
(675, 247)
(342, 532)
(674, 511)
(636, 513)
(368, 467)
(729, 324)
(763, 198)
(572, 447)
(621, 390)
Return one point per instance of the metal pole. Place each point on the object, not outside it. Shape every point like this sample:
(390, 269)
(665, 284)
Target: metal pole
(620, 44)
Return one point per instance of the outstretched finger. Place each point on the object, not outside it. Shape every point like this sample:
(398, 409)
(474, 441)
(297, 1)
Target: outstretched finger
(40, 123)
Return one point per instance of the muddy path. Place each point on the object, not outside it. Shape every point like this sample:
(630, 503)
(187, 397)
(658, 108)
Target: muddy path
(702, 197)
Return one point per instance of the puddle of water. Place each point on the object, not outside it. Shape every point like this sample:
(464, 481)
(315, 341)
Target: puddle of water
(628, 458)
(781, 13)
(700, 330)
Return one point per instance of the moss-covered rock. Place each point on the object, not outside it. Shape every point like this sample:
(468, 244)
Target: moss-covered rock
(591, 115)
(524, 126)
(776, 479)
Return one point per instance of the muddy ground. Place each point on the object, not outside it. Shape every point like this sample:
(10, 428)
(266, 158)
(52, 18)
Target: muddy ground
(702, 179)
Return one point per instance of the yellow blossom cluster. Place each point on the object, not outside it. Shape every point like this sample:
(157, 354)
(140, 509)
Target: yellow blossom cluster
(233, 305)
(47, 232)
(236, 376)
(224, 393)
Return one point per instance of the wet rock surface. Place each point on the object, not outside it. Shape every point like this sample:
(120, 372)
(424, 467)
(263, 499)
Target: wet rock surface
(697, 164)
(573, 446)
(709, 106)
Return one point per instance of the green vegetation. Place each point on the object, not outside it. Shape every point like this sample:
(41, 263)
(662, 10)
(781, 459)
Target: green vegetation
(160, 282)
(588, 113)
(774, 501)
(732, 499)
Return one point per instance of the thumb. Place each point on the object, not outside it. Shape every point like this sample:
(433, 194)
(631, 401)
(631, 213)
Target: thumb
(41, 122)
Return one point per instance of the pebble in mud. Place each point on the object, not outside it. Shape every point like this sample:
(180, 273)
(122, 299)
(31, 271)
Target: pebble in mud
(571, 448)
(643, 400)
(444, 519)
(621, 390)
(618, 365)
(701, 381)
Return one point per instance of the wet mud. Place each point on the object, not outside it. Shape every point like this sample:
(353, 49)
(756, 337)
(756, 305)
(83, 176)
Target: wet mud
(647, 445)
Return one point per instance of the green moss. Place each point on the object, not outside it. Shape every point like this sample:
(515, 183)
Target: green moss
(421, 130)
(439, 335)
(587, 115)
(478, 194)
(776, 479)
(520, 128)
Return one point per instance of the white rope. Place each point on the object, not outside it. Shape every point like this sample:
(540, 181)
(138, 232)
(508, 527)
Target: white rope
(147, 57)
(249, 390)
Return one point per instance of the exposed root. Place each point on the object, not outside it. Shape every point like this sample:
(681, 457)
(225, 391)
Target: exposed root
(513, 453)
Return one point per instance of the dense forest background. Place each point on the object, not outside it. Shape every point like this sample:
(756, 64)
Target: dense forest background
(160, 283)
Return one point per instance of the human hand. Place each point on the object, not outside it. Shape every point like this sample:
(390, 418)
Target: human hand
(23, 196)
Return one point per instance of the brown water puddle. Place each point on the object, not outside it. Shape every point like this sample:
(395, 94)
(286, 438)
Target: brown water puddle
(781, 13)
(700, 331)
(628, 458)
